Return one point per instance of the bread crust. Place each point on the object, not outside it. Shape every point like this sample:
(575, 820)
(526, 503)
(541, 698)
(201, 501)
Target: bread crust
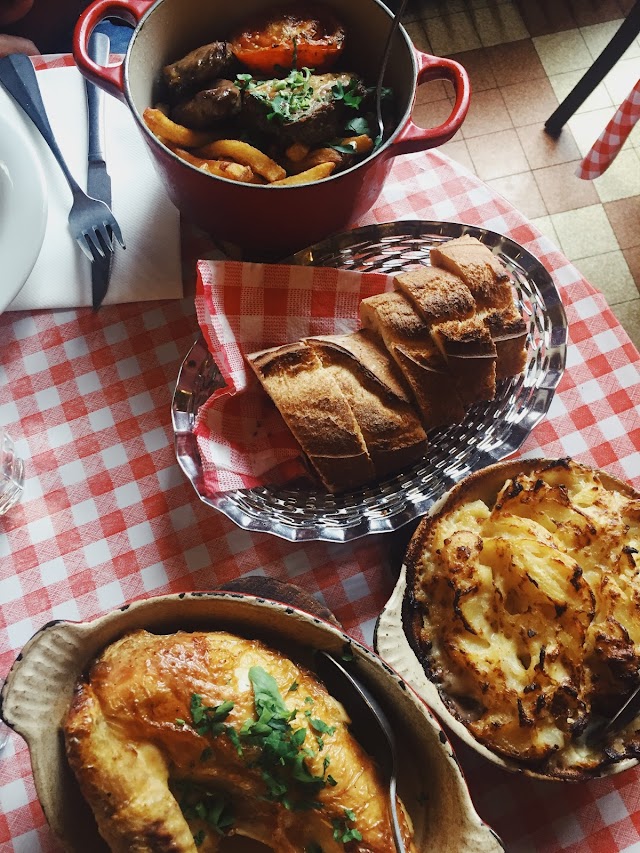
(436, 294)
(470, 354)
(509, 334)
(317, 413)
(392, 431)
(478, 267)
(408, 340)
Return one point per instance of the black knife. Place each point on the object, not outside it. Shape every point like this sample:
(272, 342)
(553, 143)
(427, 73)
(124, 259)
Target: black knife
(98, 180)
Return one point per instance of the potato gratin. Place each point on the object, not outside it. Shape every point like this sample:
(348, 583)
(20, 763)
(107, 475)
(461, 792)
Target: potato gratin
(178, 741)
(527, 597)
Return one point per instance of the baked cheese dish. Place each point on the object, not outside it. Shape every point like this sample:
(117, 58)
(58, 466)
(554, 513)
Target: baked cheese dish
(179, 741)
(526, 586)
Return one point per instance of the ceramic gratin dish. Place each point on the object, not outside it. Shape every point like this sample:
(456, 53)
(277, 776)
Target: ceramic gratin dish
(395, 639)
(38, 690)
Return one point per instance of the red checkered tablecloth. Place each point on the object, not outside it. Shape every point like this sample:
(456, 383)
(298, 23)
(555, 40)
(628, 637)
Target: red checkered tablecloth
(108, 516)
(606, 147)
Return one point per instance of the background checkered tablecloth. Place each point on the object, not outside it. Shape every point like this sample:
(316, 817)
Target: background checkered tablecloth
(108, 516)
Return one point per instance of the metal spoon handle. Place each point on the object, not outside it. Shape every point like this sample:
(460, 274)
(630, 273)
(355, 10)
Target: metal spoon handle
(372, 710)
(395, 821)
(383, 66)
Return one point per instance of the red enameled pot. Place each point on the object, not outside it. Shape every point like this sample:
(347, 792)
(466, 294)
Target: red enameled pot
(262, 219)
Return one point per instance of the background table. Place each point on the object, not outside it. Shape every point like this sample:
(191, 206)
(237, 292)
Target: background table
(108, 516)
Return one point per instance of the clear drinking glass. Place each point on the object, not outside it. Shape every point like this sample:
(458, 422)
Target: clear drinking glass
(11, 474)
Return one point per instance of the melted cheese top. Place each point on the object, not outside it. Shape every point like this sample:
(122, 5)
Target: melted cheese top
(532, 613)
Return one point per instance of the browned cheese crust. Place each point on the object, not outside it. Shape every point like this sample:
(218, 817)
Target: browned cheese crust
(134, 748)
(527, 612)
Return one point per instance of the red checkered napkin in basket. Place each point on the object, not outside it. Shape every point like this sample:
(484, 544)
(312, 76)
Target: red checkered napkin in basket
(243, 308)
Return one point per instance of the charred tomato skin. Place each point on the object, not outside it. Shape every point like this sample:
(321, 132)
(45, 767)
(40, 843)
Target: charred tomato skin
(299, 35)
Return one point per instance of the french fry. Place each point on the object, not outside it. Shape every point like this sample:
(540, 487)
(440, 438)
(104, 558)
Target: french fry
(228, 169)
(162, 126)
(219, 168)
(316, 173)
(198, 162)
(315, 158)
(296, 152)
(361, 144)
(242, 152)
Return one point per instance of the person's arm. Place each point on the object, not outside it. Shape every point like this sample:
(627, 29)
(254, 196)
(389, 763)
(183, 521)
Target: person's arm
(16, 44)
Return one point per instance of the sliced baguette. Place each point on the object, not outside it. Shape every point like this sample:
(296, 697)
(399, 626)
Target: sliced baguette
(446, 305)
(368, 379)
(509, 333)
(317, 413)
(407, 338)
(483, 273)
(471, 357)
(437, 295)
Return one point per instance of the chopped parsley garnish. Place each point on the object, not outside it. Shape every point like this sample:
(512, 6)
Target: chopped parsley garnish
(351, 94)
(321, 726)
(359, 126)
(349, 148)
(213, 808)
(347, 653)
(270, 744)
(209, 720)
(344, 833)
(282, 754)
(294, 95)
(313, 848)
(287, 98)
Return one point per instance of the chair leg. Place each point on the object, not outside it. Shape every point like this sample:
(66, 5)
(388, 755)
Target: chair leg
(626, 33)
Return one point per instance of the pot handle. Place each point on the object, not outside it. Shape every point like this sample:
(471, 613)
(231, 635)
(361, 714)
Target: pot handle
(413, 138)
(110, 78)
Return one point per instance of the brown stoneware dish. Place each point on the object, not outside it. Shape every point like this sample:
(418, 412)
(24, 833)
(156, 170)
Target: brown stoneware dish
(39, 687)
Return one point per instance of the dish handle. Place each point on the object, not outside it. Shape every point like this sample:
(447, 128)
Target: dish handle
(32, 686)
(109, 78)
(414, 138)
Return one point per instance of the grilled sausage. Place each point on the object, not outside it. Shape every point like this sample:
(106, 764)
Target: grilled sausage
(197, 69)
(210, 106)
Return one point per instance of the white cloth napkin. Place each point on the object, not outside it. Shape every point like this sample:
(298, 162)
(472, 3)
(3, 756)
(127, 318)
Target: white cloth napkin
(150, 267)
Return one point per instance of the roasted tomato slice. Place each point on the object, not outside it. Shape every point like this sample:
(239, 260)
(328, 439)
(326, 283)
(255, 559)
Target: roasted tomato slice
(289, 36)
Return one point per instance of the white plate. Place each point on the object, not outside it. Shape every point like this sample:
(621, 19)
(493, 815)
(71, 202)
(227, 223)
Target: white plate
(23, 208)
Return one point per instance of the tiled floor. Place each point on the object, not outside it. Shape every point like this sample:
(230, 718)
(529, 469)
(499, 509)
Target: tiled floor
(523, 57)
